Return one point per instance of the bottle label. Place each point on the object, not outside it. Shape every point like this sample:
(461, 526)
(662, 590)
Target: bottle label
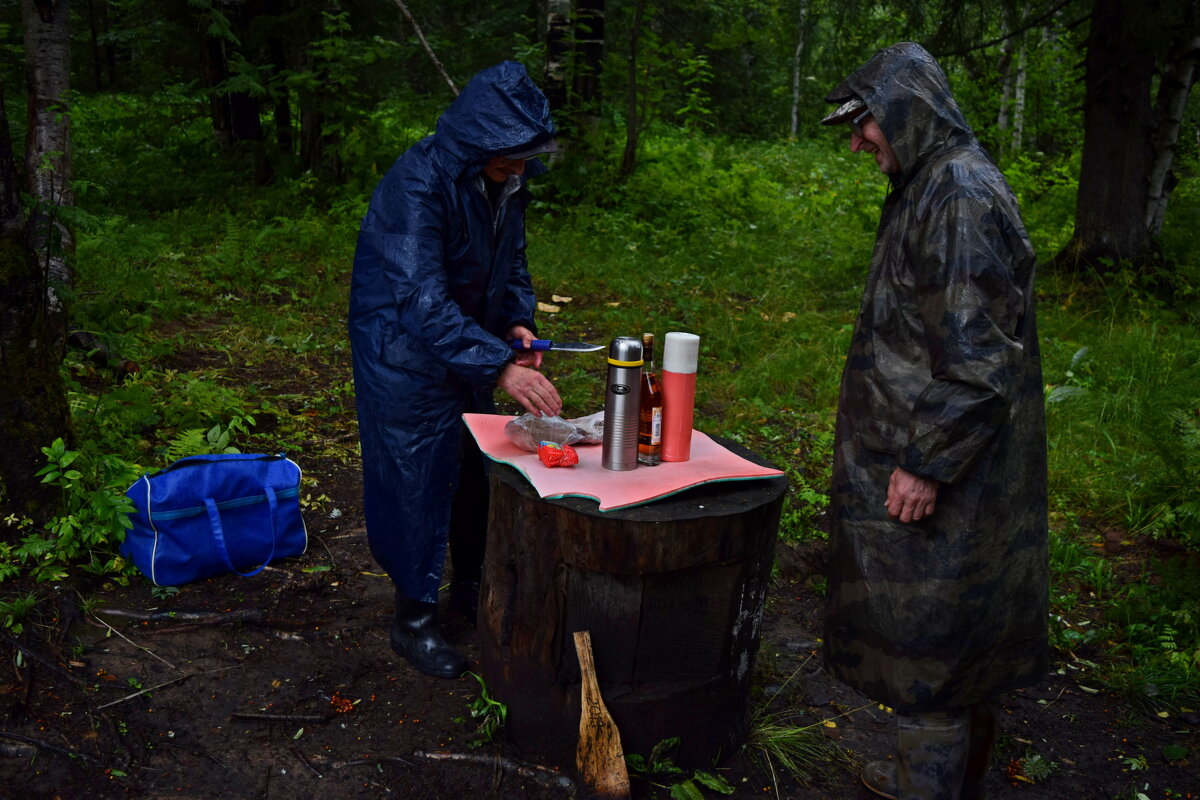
(656, 426)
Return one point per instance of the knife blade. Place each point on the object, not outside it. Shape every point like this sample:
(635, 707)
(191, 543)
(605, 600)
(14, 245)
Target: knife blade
(547, 344)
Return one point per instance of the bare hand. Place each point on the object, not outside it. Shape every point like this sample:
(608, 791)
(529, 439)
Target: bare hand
(526, 357)
(910, 498)
(531, 389)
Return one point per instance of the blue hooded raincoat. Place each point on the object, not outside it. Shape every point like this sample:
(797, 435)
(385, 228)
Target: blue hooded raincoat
(440, 276)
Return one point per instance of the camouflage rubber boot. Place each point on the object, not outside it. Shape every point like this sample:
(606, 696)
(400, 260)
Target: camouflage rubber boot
(979, 755)
(880, 778)
(932, 748)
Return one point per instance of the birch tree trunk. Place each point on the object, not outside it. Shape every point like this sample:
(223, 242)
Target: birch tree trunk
(1004, 118)
(558, 50)
(797, 60)
(632, 119)
(33, 400)
(1018, 111)
(589, 51)
(47, 152)
(1173, 92)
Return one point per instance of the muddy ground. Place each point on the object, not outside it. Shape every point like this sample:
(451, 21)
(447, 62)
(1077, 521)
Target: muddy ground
(283, 685)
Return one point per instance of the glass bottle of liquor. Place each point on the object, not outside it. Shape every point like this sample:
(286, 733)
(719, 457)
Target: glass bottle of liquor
(650, 417)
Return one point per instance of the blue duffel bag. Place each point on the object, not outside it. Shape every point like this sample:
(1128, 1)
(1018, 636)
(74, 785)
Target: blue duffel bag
(207, 515)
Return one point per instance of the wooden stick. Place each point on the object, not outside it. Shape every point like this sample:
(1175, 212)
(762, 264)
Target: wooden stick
(599, 756)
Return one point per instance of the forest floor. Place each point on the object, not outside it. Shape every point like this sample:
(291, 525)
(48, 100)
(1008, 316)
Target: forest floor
(283, 685)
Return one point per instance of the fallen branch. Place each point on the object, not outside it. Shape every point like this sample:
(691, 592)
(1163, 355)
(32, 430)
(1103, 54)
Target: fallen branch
(46, 746)
(197, 619)
(542, 776)
(180, 679)
(135, 644)
(305, 762)
(372, 761)
(279, 717)
(21, 750)
(156, 616)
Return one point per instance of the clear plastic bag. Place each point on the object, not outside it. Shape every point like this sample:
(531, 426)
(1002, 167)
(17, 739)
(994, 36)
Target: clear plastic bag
(528, 431)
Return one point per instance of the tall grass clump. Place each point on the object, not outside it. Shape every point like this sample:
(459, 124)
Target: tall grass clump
(1122, 419)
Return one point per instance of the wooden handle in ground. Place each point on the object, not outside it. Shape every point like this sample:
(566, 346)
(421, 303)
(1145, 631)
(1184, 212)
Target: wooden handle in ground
(599, 756)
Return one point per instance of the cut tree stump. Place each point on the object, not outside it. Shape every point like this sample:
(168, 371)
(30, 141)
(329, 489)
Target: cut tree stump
(671, 591)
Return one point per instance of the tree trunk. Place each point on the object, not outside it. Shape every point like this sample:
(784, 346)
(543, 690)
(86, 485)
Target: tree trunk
(1004, 118)
(215, 73)
(1118, 124)
(47, 153)
(589, 51)
(1173, 92)
(1018, 112)
(797, 60)
(33, 402)
(558, 30)
(632, 120)
(94, 41)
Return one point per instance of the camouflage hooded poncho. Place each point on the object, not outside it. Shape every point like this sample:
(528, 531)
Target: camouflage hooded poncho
(943, 379)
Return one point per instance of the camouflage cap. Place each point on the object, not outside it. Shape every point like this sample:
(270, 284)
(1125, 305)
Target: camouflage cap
(845, 112)
(529, 151)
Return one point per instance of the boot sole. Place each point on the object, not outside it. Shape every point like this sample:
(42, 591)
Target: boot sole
(876, 790)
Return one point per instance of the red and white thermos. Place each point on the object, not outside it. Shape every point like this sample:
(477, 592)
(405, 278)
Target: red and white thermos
(680, 355)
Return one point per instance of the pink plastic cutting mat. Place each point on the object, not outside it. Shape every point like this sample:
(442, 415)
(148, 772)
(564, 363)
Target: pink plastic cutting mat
(710, 462)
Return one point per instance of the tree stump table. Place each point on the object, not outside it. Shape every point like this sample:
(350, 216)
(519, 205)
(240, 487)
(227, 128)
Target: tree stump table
(671, 591)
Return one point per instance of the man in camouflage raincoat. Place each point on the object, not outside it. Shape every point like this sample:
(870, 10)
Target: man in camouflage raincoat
(938, 584)
(440, 283)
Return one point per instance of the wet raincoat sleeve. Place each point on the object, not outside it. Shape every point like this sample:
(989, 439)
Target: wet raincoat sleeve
(410, 257)
(971, 310)
(519, 299)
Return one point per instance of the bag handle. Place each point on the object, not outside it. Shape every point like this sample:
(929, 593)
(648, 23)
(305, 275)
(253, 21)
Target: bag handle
(214, 519)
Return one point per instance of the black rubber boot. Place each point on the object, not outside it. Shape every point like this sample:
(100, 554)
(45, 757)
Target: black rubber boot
(415, 636)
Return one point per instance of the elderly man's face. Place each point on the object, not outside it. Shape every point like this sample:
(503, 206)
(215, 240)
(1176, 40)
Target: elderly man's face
(867, 135)
(499, 168)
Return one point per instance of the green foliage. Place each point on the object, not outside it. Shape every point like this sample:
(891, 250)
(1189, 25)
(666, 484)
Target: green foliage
(91, 525)
(489, 712)
(660, 771)
(14, 609)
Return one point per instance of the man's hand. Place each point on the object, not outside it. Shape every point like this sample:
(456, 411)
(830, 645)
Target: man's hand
(526, 357)
(531, 389)
(910, 497)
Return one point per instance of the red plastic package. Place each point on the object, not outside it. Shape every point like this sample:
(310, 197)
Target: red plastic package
(557, 455)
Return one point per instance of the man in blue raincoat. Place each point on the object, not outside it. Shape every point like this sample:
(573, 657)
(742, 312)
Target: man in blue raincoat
(440, 284)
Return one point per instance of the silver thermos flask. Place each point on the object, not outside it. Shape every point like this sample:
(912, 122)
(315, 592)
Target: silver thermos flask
(622, 397)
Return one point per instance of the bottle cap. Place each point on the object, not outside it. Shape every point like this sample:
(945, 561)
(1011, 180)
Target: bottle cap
(625, 351)
(680, 352)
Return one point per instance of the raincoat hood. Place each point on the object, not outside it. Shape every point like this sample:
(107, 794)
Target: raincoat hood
(500, 111)
(909, 96)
